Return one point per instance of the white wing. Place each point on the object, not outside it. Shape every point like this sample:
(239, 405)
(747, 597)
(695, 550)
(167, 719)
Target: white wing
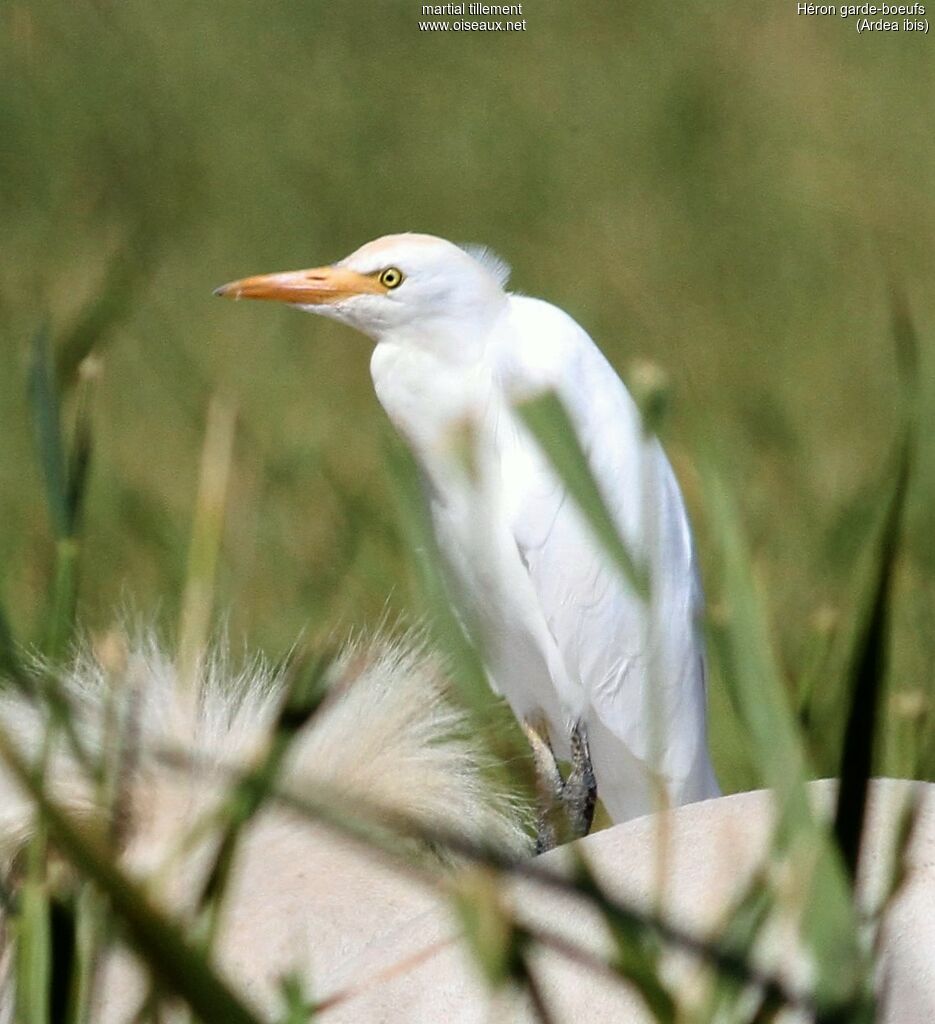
(638, 665)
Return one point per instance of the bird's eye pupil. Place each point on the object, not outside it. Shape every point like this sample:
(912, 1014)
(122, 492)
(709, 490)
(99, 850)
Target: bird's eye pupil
(391, 277)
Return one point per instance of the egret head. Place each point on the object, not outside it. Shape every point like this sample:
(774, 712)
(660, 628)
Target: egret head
(401, 287)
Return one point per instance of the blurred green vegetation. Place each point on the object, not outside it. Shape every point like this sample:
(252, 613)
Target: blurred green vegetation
(729, 190)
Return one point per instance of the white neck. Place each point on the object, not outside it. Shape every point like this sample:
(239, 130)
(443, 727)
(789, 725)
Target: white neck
(452, 340)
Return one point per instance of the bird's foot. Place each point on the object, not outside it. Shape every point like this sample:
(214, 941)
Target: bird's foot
(549, 783)
(576, 795)
(579, 794)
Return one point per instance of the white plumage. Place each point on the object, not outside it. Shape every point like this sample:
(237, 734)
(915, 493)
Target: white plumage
(564, 636)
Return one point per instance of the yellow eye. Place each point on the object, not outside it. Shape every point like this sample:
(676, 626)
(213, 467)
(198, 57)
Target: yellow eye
(391, 278)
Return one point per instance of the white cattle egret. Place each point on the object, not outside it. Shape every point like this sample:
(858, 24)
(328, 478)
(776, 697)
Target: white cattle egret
(591, 670)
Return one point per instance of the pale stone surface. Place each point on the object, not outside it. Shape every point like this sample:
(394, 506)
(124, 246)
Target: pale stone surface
(714, 848)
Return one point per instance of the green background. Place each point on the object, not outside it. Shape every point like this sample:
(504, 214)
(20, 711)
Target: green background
(727, 189)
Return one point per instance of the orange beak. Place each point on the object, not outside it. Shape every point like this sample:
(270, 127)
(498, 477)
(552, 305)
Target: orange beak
(315, 287)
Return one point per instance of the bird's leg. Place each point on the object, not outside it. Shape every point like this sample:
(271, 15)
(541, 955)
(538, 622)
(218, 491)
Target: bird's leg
(549, 782)
(579, 793)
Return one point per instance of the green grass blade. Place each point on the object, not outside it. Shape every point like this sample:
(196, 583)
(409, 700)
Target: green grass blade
(906, 341)
(91, 940)
(44, 397)
(824, 712)
(487, 926)
(297, 1007)
(817, 655)
(33, 939)
(79, 458)
(63, 946)
(111, 304)
(464, 659)
(207, 534)
(10, 667)
(869, 662)
(162, 943)
(65, 475)
(550, 424)
(64, 602)
(526, 977)
(743, 649)
(306, 693)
